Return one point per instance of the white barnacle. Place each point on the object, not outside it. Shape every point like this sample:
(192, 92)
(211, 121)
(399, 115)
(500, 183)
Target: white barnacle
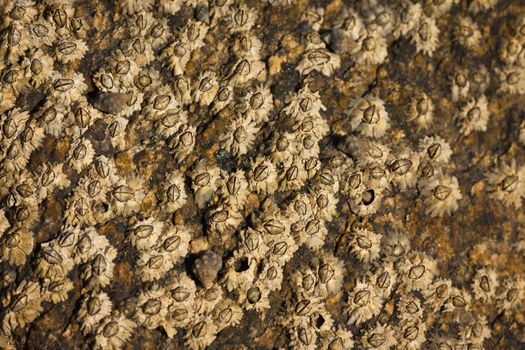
(403, 165)
(144, 234)
(395, 245)
(99, 271)
(67, 87)
(70, 49)
(262, 177)
(247, 45)
(251, 246)
(176, 56)
(200, 333)
(152, 310)
(241, 19)
(484, 284)
(441, 195)
(183, 142)
(260, 103)
(476, 6)
(437, 293)
(330, 273)
(312, 233)
(93, 308)
(411, 334)
(205, 87)
(224, 219)
(364, 302)
(117, 132)
(244, 70)
(474, 116)
(506, 183)
(371, 48)
(365, 245)
(113, 331)
(480, 80)
(409, 307)
(205, 181)
(425, 35)
(304, 103)
(321, 60)
(22, 306)
(324, 203)
(409, 15)
(127, 195)
(234, 189)
(369, 117)
(293, 176)
(421, 111)
(511, 80)
(240, 135)
(15, 245)
(271, 277)
(434, 149)
(226, 313)
(384, 276)
(56, 291)
(37, 66)
(458, 302)
(172, 194)
(41, 32)
(416, 271)
(467, 33)
(459, 85)
(80, 154)
(379, 337)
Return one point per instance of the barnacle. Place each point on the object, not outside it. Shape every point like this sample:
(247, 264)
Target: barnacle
(201, 333)
(474, 116)
(416, 271)
(484, 284)
(435, 149)
(152, 309)
(421, 111)
(511, 80)
(385, 278)
(411, 334)
(320, 60)
(98, 272)
(22, 305)
(466, 33)
(93, 309)
(365, 245)
(113, 331)
(476, 6)
(173, 193)
(364, 302)
(441, 195)
(369, 117)
(425, 35)
(506, 183)
(15, 245)
(408, 18)
(262, 177)
(380, 337)
(409, 308)
(403, 168)
(204, 181)
(240, 135)
(371, 48)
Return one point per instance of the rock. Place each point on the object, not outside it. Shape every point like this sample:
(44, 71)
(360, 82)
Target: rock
(111, 102)
(206, 268)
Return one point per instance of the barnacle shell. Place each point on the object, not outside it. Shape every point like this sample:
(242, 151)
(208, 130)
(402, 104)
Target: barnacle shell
(441, 195)
(474, 116)
(421, 111)
(484, 284)
(22, 306)
(371, 48)
(15, 245)
(507, 183)
(416, 271)
(93, 309)
(425, 35)
(364, 302)
(411, 334)
(380, 337)
(369, 117)
(113, 331)
(365, 245)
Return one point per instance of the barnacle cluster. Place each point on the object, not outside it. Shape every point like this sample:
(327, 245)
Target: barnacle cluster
(320, 175)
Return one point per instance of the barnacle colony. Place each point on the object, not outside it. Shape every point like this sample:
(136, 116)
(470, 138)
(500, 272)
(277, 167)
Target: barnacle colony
(186, 171)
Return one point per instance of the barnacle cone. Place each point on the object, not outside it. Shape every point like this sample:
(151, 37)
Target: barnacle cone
(273, 174)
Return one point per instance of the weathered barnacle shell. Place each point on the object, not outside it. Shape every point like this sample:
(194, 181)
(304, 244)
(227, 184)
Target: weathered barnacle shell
(304, 103)
(145, 233)
(15, 245)
(205, 87)
(22, 305)
(379, 337)
(303, 337)
(441, 195)
(437, 293)
(67, 87)
(329, 275)
(56, 291)
(435, 149)
(365, 245)
(484, 284)
(248, 46)
(425, 35)
(80, 154)
(369, 117)
(467, 34)
(474, 329)
(113, 331)
(411, 334)
(364, 302)
(371, 48)
(506, 183)
(200, 333)
(458, 302)
(474, 116)
(36, 67)
(173, 192)
(240, 135)
(409, 15)
(183, 142)
(421, 111)
(93, 308)
(416, 271)
(239, 272)
(204, 181)
(403, 167)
